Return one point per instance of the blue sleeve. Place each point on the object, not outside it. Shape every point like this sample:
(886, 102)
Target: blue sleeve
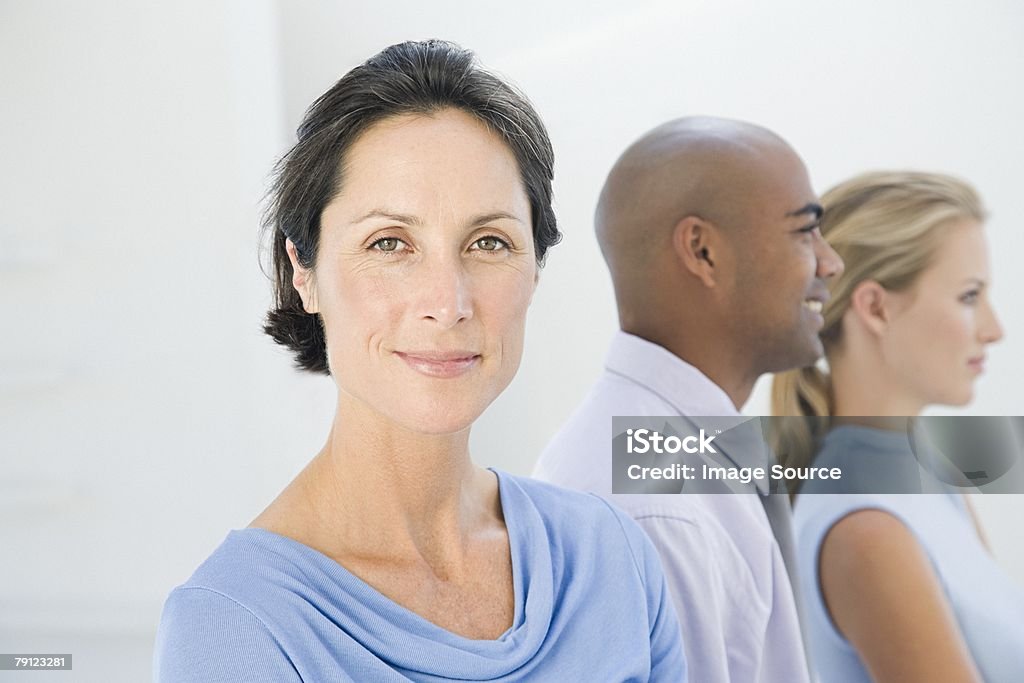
(668, 663)
(206, 636)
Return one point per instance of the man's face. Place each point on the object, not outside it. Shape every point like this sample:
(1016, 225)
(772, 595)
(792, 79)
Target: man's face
(782, 263)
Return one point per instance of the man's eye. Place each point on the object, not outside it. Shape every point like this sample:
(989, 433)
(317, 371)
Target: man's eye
(490, 244)
(811, 228)
(388, 245)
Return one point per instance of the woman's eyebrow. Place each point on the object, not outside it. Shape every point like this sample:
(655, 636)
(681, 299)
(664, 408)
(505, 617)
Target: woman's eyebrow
(389, 215)
(415, 221)
(497, 215)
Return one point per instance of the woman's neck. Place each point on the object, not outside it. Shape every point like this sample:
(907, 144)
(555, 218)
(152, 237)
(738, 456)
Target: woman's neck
(377, 489)
(863, 387)
(888, 424)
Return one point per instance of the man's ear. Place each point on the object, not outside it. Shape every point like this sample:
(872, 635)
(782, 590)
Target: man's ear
(696, 243)
(871, 303)
(302, 280)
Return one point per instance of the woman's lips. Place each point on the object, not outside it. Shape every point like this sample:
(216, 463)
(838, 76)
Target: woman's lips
(442, 364)
(977, 364)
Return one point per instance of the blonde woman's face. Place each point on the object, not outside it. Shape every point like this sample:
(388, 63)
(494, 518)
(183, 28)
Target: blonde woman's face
(939, 328)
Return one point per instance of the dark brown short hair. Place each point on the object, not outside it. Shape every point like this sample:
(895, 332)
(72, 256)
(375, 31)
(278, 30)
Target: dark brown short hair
(408, 78)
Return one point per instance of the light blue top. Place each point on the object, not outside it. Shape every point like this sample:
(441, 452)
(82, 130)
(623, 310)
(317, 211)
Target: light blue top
(988, 605)
(590, 605)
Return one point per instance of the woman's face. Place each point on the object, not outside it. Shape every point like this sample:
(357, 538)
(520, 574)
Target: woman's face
(939, 328)
(425, 271)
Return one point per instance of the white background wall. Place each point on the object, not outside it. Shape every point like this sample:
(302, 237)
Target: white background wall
(143, 414)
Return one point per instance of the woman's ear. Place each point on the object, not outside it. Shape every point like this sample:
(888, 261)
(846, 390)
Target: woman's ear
(302, 280)
(871, 303)
(696, 244)
(536, 280)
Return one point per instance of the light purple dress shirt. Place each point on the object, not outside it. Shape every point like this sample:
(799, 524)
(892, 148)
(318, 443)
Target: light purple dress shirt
(723, 566)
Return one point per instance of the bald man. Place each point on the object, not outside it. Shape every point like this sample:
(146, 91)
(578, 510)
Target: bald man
(710, 231)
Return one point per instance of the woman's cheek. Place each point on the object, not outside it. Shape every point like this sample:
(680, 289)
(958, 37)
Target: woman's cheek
(958, 330)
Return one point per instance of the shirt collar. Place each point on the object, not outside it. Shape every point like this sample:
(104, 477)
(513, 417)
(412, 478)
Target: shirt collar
(692, 394)
(656, 368)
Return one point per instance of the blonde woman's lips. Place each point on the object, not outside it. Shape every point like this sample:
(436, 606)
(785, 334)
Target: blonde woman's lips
(440, 364)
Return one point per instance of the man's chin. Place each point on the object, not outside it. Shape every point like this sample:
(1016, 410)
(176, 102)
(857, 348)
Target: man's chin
(800, 356)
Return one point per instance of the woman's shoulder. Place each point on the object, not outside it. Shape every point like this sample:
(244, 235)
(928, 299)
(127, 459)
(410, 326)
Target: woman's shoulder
(227, 616)
(249, 568)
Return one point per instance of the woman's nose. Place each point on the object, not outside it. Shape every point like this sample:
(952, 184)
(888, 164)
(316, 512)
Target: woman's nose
(990, 330)
(444, 295)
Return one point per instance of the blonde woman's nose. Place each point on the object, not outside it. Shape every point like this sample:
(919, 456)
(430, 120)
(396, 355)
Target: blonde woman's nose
(990, 329)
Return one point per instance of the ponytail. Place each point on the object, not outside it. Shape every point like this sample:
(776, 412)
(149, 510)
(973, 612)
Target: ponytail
(804, 398)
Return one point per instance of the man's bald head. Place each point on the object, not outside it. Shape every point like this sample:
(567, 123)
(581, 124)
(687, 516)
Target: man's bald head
(695, 166)
(710, 231)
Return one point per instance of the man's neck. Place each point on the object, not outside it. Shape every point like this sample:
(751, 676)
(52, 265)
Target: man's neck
(714, 361)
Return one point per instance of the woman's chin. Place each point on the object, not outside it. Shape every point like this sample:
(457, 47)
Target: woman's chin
(959, 397)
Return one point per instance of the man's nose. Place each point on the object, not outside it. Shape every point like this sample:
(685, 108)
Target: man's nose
(829, 263)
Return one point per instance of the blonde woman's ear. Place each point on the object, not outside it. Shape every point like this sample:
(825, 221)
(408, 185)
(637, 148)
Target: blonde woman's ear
(302, 280)
(869, 303)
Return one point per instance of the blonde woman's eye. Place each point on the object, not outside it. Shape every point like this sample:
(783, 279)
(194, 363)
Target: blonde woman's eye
(970, 297)
(491, 244)
(388, 245)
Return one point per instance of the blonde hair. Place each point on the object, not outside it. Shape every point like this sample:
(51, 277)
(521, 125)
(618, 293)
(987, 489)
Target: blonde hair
(887, 227)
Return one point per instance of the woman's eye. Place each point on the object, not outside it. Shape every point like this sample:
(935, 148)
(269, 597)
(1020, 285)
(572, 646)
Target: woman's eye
(970, 297)
(388, 245)
(490, 244)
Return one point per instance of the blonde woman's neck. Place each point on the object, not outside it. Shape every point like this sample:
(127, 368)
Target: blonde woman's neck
(865, 389)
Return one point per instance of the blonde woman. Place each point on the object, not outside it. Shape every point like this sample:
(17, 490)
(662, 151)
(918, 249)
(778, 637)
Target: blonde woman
(897, 587)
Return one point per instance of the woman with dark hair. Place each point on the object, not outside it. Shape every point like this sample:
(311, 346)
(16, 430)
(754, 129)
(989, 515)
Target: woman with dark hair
(409, 225)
